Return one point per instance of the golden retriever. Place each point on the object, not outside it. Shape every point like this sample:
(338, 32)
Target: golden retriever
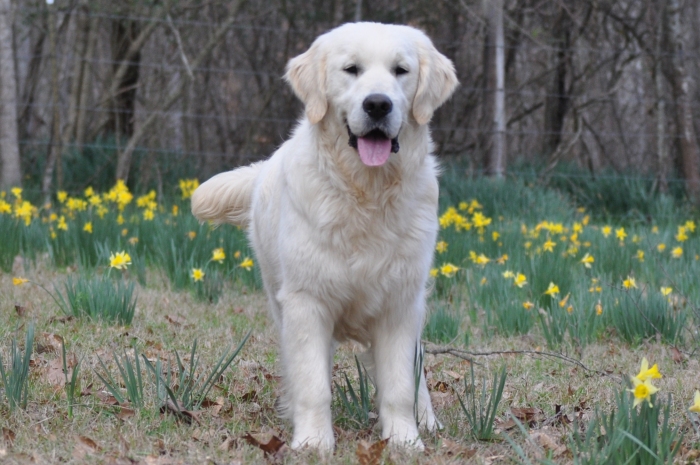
(343, 221)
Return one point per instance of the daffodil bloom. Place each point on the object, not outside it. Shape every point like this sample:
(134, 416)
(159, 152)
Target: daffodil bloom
(636, 239)
(463, 205)
(666, 290)
(62, 225)
(218, 255)
(247, 263)
(690, 225)
(61, 196)
(502, 259)
(527, 305)
(441, 247)
(495, 235)
(681, 236)
(677, 252)
(563, 302)
(552, 289)
(483, 281)
(148, 215)
(587, 260)
(120, 260)
(88, 227)
(237, 254)
(620, 234)
(643, 391)
(448, 270)
(655, 230)
(661, 247)
(17, 192)
(577, 228)
(197, 274)
(606, 230)
(640, 255)
(570, 309)
(598, 308)
(19, 281)
(192, 235)
(133, 240)
(629, 283)
(696, 403)
(548, 246)
(434, 272)
(520, 280)
(508, 274)
(646, 373)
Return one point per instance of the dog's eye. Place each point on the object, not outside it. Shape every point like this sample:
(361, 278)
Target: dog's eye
(399, 70)
(352, 69)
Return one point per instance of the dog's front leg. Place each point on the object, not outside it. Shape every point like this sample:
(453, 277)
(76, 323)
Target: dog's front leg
(306, 348)
(394, 348)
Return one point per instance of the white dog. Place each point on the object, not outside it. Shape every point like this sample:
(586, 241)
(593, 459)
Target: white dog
(343, 221)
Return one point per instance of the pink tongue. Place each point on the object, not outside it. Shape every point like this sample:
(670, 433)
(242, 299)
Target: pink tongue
(373, 152)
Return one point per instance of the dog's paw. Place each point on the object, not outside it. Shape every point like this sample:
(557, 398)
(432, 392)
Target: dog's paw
(324, 442)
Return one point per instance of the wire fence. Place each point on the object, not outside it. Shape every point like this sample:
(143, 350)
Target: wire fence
(602, 95)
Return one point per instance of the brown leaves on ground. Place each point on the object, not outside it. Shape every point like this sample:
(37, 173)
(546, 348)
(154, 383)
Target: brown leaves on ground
(84, 446)
(178, 321)
(370, 454)
(273, 447)
(8, 436)
(177, 409)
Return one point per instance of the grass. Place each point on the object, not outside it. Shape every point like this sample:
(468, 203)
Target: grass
(99, 298)
(15, 377)
(593, 316)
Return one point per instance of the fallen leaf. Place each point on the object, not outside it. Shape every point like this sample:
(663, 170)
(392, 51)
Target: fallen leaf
(21, 310)
(559, 418)
(455, 449)
(180, 412)
(441, 386)
(125, 412)
(8, 436)
(249, 396)
(177, 320)
(60, 319)
(54, 373)
(456, 376)
(529, 415)
(49, 342)
(106, 397)
(84, 446)
(273, 447)
(370, 454)
(548, 443)
(676, 355)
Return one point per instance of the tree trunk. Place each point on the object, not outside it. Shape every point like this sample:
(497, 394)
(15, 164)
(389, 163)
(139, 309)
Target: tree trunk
(124, 159)
(661, 151)
(677, 74)
(124, 34)
(557, 99)
(81, 122)
(497, 155)
(53, 158)
(82, 37)
(11, 174)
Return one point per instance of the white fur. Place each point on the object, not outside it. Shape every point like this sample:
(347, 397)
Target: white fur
(345, 249)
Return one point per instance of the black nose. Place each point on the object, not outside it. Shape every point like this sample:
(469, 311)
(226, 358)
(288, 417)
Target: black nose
(377, 106)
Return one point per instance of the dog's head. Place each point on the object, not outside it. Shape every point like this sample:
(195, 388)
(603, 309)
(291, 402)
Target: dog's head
(374, 79)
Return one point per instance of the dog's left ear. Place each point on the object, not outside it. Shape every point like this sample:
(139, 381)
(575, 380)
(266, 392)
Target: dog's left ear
(436, 82)
(306, 74)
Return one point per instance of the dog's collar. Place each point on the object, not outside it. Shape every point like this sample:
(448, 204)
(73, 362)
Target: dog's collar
(352, 141)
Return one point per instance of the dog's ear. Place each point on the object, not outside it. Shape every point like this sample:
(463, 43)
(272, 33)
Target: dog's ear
(436, 82)
(306, 74)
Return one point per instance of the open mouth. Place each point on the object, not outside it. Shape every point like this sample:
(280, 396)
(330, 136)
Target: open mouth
(374, 147)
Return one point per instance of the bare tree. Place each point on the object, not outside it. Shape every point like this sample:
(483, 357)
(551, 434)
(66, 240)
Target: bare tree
(9, 146)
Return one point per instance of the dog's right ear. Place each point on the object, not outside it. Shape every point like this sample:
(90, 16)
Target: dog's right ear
(306, 74)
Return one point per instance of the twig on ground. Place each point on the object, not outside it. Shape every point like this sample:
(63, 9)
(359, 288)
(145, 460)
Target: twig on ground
(467, 355)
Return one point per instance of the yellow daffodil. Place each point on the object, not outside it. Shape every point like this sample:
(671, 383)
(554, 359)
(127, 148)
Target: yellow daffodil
(527, 305)
(483, 281)
(587, 260)
(502, 259)
(508, 274)
(19, 281)
(237, 254)
(598, 308)
(606, 230)
(629, 283)
(677, 252)
(133, 240)
(640, 255)
(191, 235)
(620, 234)
(17, 192)
(552, 289)
(88, 227)
(520, 280)
(62, 225)
(218, 255)
(666, 290)
(119, 260)
(61, 196)
(495, 235)
(247, 263)
(696, 403)
(564, 301)
(197, 274)
(655, 230)
(643, 391)
(463, 205)
(548, 246)
(441, 247)
(148, 215)
(690, 226)
(648, 373)
(661, 247)
(448, 270)
(681, 236)
(434, 272)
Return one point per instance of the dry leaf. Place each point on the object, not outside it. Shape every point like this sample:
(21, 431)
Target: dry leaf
(676, 355)
(273, 447)
(456, 376)
(106, 398)
(548, 443)
(21, 310)
(49, 342)
(8, 436)
(180, 412)
(60, 319)
(455, 449)
(177, 320)
(370, 454)
(83, 447)
(54, 373)
(125, 412)
(529, 415)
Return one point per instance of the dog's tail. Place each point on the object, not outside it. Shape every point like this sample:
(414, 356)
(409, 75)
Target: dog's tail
(226, 197)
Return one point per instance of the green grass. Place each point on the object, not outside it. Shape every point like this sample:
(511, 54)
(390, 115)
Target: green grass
(15, 376)
(99, 298)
